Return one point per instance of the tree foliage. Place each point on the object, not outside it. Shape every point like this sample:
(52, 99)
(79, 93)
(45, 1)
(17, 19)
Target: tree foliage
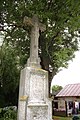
(56, 45)
(56, 89)
(9, 76)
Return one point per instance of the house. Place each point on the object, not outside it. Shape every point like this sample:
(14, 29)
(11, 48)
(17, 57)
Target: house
(68, 100)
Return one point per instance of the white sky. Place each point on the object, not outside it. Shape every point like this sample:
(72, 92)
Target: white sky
(70, 75)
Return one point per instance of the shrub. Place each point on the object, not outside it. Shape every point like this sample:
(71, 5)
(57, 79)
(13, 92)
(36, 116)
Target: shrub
(8, 113)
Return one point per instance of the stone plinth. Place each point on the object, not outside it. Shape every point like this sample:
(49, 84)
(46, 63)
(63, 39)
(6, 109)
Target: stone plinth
(33, 95)
(37, 112)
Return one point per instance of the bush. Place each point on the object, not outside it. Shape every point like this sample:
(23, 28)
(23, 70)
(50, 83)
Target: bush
(8, 113)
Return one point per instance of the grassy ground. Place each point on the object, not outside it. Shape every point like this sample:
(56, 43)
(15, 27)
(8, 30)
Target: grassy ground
(62, 118)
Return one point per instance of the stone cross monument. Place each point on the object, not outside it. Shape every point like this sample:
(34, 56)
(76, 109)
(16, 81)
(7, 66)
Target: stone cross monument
(34, 103)
(35, 27)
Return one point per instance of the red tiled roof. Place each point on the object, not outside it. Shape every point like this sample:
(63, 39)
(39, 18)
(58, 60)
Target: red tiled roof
(70, 90)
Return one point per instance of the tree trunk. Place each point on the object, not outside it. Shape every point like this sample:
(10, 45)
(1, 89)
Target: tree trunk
(45, 61)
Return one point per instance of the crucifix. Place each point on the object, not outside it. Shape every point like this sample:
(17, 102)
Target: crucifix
(33, 93)
(35, 27)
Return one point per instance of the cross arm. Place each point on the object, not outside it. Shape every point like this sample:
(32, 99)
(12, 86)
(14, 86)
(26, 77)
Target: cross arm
(42, 27)
(28, 21)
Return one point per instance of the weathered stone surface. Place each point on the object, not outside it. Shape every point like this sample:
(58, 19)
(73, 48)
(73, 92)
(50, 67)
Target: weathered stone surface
(37, 112)
(38, 85)
(22, 110)
(23, 93)
(35, 27)
(33, 97)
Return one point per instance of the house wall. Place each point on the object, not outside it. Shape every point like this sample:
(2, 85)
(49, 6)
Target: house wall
(71, 99)
(61, 104)
(61, 111)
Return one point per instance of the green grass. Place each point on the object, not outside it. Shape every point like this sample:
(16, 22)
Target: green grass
(62, 118)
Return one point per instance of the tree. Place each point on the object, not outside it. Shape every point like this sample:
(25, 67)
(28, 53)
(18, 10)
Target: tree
(57, 44)
(9, 76)
(56, 89)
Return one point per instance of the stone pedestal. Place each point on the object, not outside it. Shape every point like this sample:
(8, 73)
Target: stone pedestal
(34, 103)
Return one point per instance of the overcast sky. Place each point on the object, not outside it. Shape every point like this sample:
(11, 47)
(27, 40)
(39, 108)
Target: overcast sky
(70, 75)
